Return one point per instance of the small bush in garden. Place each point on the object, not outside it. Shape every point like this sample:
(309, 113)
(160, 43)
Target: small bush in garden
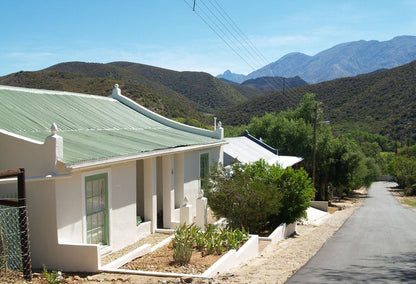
(53, 277)
(211, 241)
(182, 253)
(183, 243)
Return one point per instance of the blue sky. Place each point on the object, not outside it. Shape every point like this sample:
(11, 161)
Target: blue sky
(167, 33)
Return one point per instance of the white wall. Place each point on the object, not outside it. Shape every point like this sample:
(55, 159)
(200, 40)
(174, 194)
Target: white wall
(36, 158)
(45, 249)
(70, 206)
(191, 174)
(123, 205)
(42, 223)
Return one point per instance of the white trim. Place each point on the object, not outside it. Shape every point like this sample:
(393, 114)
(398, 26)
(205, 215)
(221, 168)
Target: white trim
(161, 119)
(17, 136)
(109, 201)
(53, 92)
(139, 156)
(35, 178)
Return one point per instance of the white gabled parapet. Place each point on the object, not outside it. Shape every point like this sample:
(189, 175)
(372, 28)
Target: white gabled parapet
(44, 156)
(56, 144)
(218, 133)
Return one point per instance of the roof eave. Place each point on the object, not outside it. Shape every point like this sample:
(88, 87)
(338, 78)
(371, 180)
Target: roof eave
(138, 156)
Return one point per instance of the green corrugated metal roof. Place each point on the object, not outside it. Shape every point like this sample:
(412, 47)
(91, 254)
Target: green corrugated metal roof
(92, 127)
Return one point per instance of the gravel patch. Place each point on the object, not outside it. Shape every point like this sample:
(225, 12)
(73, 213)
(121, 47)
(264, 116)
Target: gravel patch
(152, 239)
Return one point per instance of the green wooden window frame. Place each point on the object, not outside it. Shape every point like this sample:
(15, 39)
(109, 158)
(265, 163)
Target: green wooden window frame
(203, 167)
(96, 208)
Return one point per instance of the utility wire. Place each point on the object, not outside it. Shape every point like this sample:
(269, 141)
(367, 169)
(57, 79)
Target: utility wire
(228, 31)
(249, 43)
(222, 38)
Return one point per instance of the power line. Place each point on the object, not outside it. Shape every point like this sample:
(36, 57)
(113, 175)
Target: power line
(228, 31)
(232, 48)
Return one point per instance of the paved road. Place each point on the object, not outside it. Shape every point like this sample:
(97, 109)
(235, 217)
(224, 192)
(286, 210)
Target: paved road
(377, 244)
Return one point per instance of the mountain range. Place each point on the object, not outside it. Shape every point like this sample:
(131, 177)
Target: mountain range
(382, 102)
(189, 97)
(343, 60)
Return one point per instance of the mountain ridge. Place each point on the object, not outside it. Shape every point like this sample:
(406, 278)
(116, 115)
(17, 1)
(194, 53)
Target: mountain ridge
(382, 102)
(342, 60)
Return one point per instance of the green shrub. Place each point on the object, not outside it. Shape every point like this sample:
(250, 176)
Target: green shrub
(258, 196)
(244, 194)
(403, 168)
(297, 190)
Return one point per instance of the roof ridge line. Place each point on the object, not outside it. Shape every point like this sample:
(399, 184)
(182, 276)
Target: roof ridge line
(260, 142)
(216, 134)
(53, 92)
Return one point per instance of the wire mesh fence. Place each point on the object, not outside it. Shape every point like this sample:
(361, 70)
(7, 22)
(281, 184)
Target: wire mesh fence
(14, 230)
(11, 256)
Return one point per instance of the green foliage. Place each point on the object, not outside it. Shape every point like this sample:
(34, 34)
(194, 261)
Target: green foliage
(190, 121)
(409, 202)
(341, 164)
(245, 194)
(213, 240)
(183, 243)
(258, 196)
(382, 103)
(290, 136)
(372, 142)
(53, 277)
(234, 131)
(297, 191)
(403, 168)
(139, 220)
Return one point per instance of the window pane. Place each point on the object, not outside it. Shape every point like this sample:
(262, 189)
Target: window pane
(88, 189)
(102, 204)
(94, 221)
(96, 206)
(89, 223)
(100, 219)
(89, 206)
(96, 187)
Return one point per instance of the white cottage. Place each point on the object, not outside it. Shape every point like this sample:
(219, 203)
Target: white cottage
(104, 162)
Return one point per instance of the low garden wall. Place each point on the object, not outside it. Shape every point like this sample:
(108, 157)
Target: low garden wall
(321, 205)
(140, 251)
(281, 232)
(234, 258)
